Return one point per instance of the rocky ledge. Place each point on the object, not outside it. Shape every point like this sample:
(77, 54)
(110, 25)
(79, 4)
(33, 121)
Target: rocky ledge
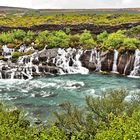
(71, 61)
(75, 28)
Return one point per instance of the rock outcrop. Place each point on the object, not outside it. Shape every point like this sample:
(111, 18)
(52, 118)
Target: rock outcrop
(71, 61)
(75, 28)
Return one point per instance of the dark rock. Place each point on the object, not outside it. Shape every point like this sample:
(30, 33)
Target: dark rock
(107, 59)
(125, 63)
(85, 59)
(75, 28)
(35, 62)
(48, 54)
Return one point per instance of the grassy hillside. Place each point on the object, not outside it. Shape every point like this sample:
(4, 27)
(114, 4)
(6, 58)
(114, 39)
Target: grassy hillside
(14, 17)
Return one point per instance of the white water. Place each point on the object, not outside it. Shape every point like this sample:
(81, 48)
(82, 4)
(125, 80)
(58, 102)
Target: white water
(67, 63)
(93, 52)
(114, 69)
(97, 60)
(28, 65)
(98, 65)
(13, 71)
(0, 75)
(136, 69)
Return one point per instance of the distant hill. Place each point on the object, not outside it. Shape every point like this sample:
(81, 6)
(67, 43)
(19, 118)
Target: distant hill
(15, 10)
(5, 8)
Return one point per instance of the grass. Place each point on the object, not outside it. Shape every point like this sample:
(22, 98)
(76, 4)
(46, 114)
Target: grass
(32, 19)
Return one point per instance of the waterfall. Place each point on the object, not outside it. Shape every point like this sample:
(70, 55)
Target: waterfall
(0, 75)
(93, 52)
(136, 70)
(0, 69)
(114, 68)
(27, 61)
(13, 73)
(98, 59)
(91, 55)
(68, 60)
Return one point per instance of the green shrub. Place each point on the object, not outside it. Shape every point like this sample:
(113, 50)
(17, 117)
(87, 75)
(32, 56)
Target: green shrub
(114, 40)
(42, 39)
(19, 34)
(15, 56)
(102, 36)
(6, 37)
(131, 43)
(86, 40)
(58, 39)
(97, 119)
(121, 127)
(29, 38)
(75, 41)
(134, 32)
(1, 57)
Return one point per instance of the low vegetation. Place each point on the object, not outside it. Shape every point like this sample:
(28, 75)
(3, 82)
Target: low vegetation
(110, 116)
(121, 40)
(62, 18)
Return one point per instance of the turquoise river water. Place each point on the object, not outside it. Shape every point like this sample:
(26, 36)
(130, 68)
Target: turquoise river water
(43, 96)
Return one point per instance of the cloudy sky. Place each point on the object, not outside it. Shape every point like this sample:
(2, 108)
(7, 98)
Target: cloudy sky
(71, 3)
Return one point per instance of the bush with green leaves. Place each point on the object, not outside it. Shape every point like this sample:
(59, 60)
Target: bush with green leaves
(100, 116)
(117, 40)
(29, 38)
(16, 55)
(75, 41)
(120, 127)
(86, 40)
(102, 36)
(134, 32)
(114, 40)
(58, 39)
(42, 39)
(6, 37)
(19, 34)
(131, 43)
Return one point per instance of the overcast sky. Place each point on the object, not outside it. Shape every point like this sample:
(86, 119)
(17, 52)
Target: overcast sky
(71, 4)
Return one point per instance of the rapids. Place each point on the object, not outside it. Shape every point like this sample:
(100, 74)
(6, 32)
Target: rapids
(44, 96)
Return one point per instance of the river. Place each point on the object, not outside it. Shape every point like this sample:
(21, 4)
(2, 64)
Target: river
(43, 96)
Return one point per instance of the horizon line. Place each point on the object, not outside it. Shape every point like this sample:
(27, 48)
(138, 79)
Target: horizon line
(99, 8)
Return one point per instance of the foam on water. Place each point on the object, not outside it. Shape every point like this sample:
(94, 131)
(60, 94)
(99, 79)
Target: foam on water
(41, 93)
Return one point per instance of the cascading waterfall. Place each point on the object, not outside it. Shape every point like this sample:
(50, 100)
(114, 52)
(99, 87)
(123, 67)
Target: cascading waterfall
(114, 68)
(0, 70)
(91, 55)
(136, 69)
(27, 70)
(0, 75)
(98, 59)
(67, 63)
(13, 71)
(27, 61)
(93, 52)
(62, 61)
